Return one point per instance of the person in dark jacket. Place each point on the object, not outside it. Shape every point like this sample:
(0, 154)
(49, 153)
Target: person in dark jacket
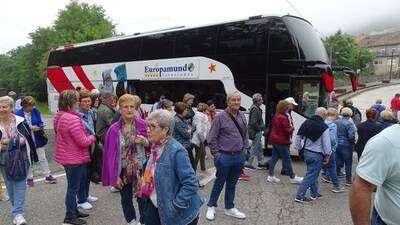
(34, 119)
(366, 130)
(387, 119)
(188, 100)
(182, 130)
(105, 115)
(256, 128)
(280, 138)
(356, 114)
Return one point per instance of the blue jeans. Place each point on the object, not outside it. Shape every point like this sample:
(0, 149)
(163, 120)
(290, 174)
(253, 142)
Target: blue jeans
(330, 170)
(74, 180)
(310, 180)
(83, 192)
(16, 191)
(376, 219)
(284, 152)
(256, 150)
(229, 167)
(344, 155)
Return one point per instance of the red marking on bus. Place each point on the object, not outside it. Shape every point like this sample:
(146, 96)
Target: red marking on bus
(212, 68)
(58, 79)
(68, 46)
(82, 77)
(328, 81)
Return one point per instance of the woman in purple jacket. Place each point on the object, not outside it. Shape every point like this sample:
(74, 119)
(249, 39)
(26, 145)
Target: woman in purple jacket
(124, 155)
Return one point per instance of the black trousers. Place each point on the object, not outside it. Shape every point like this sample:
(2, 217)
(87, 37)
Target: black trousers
(191, 157)
(153, 218)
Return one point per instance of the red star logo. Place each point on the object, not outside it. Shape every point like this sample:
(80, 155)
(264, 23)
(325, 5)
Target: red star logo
(212, 68)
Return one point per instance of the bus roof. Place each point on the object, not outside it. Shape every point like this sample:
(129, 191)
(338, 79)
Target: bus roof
(177, 28)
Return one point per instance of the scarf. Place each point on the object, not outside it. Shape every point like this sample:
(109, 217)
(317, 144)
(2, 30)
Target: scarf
(312, 128)
(147, 183)
(130, 167)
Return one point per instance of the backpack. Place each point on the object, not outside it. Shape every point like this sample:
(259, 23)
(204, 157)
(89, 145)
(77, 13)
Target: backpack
(16, 161)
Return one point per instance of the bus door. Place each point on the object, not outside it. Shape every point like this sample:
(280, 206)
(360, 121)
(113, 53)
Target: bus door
(308, 93)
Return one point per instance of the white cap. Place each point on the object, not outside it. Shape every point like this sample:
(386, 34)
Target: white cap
(291, 100)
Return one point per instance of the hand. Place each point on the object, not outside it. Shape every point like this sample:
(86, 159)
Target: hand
(120, 184)
(140, 140)
(4, 144)
(34, 128)
(325, 161)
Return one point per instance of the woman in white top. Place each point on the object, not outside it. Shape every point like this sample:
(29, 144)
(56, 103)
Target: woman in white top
(201, 126)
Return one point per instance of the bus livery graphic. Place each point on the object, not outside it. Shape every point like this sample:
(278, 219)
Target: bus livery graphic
(159, 71)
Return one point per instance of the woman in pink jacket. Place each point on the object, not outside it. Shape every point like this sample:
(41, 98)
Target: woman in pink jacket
(72, 142)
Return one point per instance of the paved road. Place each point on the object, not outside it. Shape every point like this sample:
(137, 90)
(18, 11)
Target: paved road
(262, 202)
(365, 100)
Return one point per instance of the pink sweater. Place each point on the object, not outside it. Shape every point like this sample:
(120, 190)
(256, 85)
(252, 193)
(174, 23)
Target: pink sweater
(72, 140)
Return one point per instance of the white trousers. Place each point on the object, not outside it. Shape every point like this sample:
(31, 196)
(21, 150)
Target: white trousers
(43, 162)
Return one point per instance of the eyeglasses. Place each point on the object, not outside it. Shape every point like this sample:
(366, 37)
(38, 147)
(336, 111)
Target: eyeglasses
(86, 101)
(152, 127)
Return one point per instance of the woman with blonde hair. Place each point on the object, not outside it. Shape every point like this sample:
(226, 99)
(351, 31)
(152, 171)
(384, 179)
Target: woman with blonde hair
(124, 156)
(201, 125)
(386, 119)
(280, 138)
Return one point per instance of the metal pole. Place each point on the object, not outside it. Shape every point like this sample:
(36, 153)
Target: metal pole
(391, 64)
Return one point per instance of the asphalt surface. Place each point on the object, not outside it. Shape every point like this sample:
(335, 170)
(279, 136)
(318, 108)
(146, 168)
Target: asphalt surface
(262, 202)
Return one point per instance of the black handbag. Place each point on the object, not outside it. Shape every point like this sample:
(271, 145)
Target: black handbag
(42, 136)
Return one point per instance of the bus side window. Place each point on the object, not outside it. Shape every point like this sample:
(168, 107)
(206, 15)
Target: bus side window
(203, 90)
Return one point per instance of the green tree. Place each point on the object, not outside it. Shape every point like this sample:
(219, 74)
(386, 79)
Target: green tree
(343, 50)
(24, 68)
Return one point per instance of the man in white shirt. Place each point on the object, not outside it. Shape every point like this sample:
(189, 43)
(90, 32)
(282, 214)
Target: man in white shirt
(379, 168)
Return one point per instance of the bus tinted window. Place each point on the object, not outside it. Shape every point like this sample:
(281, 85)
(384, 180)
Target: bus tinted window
(158, 46)
(196, 42)
(310, 44)
(203, 90)
(249, 71)
(281, 47)
(242, 37)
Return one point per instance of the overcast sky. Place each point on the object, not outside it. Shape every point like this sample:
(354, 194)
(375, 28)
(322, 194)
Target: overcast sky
(18, 17)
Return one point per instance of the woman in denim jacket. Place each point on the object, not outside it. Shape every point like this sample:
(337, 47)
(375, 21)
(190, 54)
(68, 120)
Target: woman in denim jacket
(346, 139)
(169, 179)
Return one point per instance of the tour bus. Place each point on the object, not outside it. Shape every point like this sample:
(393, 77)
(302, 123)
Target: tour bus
(277, 56)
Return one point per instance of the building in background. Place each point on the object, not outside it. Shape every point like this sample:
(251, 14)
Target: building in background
(386, 47)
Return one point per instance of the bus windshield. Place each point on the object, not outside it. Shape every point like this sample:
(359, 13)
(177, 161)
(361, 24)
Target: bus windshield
(310, 44)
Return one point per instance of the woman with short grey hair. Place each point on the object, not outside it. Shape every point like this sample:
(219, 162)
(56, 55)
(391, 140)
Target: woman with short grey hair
(255, 128)
(169, 179)
(15, 138)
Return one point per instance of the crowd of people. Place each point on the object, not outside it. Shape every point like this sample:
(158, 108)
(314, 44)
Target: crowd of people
(154, 157)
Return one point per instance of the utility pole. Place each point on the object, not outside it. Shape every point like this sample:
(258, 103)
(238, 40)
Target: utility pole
(391, 64)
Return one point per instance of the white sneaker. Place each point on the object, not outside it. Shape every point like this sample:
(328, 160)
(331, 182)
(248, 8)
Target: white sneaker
(85, 206)
(19, 220)
(114, 190)
(235, 213)
(92, 199)
(210, 215)
(296, 180)
(4, 197)
(273, 179)
(133, 222)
